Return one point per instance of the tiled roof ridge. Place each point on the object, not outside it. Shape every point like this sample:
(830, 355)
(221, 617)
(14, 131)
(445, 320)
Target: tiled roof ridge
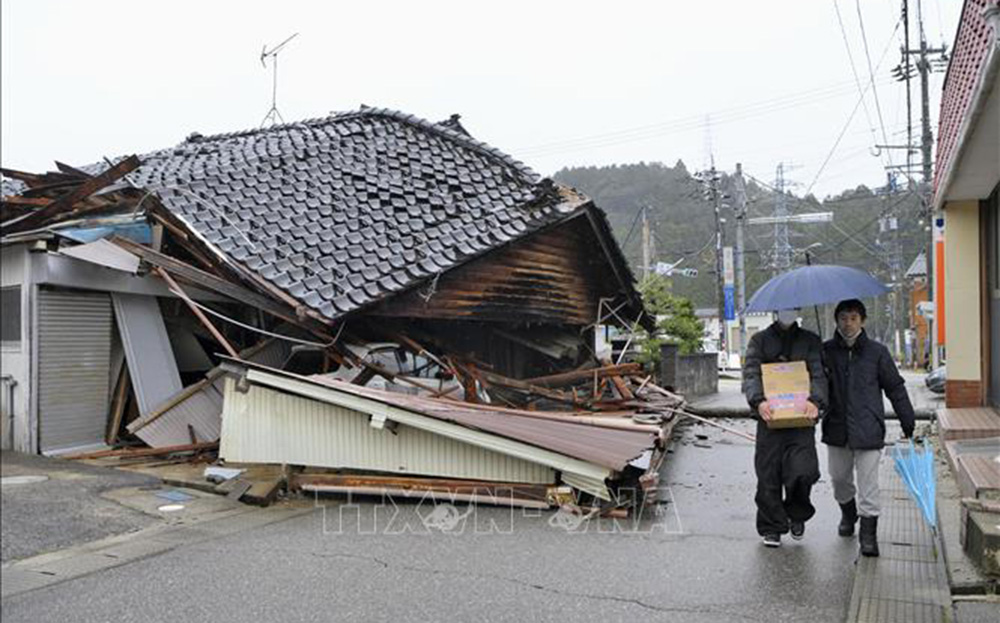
(452, 135)
(420, 123)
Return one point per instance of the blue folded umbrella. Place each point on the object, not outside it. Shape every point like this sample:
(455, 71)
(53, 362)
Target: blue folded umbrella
(915, 467)
(814, 285)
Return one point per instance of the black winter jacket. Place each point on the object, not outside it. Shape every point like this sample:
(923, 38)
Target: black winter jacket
(858, 375)
(774, 344)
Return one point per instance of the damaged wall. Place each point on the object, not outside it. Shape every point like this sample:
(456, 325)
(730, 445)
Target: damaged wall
(551, 277)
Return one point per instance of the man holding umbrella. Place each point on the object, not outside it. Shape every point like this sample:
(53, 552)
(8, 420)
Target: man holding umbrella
(784, 459)
(859, 370)
(787, 457)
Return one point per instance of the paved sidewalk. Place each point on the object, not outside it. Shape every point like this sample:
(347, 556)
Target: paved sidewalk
(908, 583)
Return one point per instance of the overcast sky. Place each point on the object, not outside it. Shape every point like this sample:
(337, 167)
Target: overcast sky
(552, 83)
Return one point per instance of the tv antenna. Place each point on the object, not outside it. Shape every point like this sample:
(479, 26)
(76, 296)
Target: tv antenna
(273, 115)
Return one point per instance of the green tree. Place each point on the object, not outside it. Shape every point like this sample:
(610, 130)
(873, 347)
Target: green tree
(675, 321)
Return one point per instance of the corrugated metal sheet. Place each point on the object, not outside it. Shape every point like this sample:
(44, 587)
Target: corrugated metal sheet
(151, 364)
(607, 447)
(266, 426)
(541, 446)
(74, 354)
(201, 411)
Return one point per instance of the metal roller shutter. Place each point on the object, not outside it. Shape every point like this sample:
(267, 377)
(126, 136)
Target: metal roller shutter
(74, 355)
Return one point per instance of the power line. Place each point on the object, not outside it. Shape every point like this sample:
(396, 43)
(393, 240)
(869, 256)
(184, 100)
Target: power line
(854, 71)
(683, 124)
(850, 118)
(871, 75)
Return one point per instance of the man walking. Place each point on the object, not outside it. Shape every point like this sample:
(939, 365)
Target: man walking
(784, 459)
(859, 370)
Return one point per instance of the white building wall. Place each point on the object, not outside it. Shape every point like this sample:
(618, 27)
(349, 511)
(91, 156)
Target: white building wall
(15, 359)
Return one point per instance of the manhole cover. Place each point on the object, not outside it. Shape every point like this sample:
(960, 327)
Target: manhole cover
(22, 480)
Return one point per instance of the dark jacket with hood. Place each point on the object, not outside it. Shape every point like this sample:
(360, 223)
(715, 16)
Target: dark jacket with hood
(775, 344)
(858, 375)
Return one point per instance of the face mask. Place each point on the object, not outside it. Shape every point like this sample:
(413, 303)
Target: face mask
(787, 316)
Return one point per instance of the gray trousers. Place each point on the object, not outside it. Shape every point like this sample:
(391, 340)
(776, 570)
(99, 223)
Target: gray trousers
(844, 462)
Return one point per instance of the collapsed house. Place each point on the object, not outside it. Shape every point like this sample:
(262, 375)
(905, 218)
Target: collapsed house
(368, 293)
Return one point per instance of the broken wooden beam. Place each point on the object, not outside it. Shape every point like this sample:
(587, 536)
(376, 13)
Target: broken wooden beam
(577, 376)
(82, 191)
(208, 281)
(122, 389)
(552, 394)
(132, 453)
(622, 387)
(176, 289)
(29, 202)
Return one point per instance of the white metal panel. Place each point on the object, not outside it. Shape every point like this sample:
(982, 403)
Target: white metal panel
(104, 253)
(589, 471)
(266, 426)
(74, 353)
(150, 358)
(201, 411)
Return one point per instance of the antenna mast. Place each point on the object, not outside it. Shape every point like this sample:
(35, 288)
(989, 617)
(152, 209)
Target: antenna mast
(273, 115)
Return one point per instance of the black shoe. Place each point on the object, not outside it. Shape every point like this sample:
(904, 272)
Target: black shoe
(868, 536)
(848, 517)
(798, 529)
(772, 540)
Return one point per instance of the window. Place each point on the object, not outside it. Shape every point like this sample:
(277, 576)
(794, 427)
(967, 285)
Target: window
(10, 315)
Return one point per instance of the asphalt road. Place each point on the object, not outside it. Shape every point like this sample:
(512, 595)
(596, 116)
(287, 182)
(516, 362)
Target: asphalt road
(63, 510)
(698, 560)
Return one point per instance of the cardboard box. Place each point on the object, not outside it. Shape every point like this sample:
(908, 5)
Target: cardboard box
(786, 387)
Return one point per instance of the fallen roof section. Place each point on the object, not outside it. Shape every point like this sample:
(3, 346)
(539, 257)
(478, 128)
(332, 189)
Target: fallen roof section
(586, 455)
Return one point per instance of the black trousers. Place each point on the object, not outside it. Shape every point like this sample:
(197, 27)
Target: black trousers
(787, 468)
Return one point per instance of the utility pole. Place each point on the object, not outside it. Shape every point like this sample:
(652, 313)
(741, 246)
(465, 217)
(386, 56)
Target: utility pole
(905, 73)
(926, 145)
(710, 183)
(714, 178)
(646, 254)
(741, 292)
(888, 242)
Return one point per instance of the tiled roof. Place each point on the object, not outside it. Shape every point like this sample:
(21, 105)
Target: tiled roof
(972, 43)
(10, 187)
(342, 211)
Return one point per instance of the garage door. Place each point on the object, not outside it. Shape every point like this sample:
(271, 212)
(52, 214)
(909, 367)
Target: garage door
(74, 355)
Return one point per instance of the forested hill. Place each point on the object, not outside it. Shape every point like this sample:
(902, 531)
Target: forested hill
(682, 223)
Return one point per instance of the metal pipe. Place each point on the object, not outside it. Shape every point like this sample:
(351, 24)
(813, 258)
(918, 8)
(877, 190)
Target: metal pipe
(9, 382)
